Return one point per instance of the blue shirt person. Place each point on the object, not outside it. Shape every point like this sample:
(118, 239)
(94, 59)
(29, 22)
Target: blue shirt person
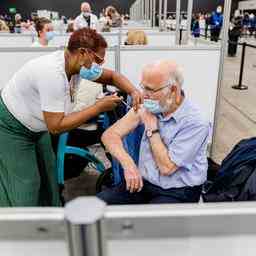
(172, 162)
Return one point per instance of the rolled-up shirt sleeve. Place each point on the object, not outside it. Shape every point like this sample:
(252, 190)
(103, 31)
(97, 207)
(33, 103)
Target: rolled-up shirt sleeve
(187, 143)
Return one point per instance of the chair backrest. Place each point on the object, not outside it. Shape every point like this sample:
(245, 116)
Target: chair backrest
(63, 138)
(132, 145)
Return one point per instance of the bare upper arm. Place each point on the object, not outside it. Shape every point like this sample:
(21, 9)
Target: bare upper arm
(106, 77)
(125, 125)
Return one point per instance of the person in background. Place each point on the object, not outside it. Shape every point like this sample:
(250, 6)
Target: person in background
(196, 27)
(207, 24)
(104, 23)
(113, 17)
(70, 28)
(4, 27)
(86, 19)
(172, 153)
(17, 24)
(136, 37)
(246, 23)
(126, 19)
(252, 23)
(27, 27)
(234, 33)
(45, 33)
(216, 24)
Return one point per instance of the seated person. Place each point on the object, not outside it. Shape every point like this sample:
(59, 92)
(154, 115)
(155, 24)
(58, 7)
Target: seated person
(136, 37)
(44, 29)
(172, 160)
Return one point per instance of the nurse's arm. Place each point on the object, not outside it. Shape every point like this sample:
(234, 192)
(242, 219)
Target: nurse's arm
(110, 77)
(58, 122)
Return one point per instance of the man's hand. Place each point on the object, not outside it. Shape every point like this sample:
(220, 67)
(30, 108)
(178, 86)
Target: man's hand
(134, 182)
(150, 120)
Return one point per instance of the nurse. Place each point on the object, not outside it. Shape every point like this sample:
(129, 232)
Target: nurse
(36, 102)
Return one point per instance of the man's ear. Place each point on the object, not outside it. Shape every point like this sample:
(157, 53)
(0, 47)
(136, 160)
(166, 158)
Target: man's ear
(177, 94)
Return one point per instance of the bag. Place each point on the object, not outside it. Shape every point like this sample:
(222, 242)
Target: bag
(235, 180)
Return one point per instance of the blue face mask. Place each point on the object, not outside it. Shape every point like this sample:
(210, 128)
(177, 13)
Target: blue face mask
(50, 35)
(153, 106)
(92, 73)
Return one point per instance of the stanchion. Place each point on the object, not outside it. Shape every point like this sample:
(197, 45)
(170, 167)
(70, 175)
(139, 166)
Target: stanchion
(180, 41)
(240, 86)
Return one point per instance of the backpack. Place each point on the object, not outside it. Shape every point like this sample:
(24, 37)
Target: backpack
(236, 179)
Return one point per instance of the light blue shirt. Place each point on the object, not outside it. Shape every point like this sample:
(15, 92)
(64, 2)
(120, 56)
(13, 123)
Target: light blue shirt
(185, 134)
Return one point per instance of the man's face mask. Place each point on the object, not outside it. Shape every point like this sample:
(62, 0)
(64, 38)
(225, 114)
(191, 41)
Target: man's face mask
(219, 10)
(86, 14)
(154, 106)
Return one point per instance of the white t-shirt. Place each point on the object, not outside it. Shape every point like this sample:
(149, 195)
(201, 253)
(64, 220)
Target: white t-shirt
(40, 85)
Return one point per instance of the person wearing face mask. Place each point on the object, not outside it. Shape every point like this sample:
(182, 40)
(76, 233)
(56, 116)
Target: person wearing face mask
(235, 30)
(172, 162)
(216, 24)
(86, 19)
(44, 29)
(37, 101)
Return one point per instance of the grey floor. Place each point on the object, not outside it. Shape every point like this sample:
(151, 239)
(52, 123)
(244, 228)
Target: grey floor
(236, 120)
(236, 113)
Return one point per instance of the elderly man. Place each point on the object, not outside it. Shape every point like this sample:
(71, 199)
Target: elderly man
(86, 18)
(172, 160)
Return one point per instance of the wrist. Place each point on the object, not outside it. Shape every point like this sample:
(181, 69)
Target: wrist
(151, 127)
(128, 165)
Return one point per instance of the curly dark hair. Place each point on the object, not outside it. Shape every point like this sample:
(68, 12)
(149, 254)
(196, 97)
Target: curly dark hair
(86, 38)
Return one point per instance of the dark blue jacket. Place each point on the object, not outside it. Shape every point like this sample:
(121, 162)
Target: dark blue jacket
(235, 180)
(216, 20)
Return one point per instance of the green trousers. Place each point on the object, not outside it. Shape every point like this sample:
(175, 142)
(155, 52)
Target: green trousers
(27, 165)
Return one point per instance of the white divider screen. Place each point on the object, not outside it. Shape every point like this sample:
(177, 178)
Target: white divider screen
(12, 40)
(13, 59)
(62, 40)
(111, 38)
(200, 65)
(33, 232)
(187, 230)
(156, 38)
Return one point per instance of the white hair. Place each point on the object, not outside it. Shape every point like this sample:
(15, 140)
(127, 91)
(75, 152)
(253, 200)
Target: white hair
(177, 77)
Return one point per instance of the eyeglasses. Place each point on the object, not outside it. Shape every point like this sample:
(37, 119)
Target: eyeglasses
(152, 91)
(99, 60)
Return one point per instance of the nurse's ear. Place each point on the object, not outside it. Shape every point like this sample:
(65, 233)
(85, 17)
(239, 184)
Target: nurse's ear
(81, 55)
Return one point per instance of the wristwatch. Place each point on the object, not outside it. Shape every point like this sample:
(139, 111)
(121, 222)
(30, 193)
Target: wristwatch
(150, 133)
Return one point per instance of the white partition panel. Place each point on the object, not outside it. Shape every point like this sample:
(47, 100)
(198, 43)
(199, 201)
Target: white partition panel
(156, 38)
(161, 39)
(33, 232)
(14, 40)
(12, 59)
(187, 230)
(60, 40)
(200, 65)
(111, 38)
